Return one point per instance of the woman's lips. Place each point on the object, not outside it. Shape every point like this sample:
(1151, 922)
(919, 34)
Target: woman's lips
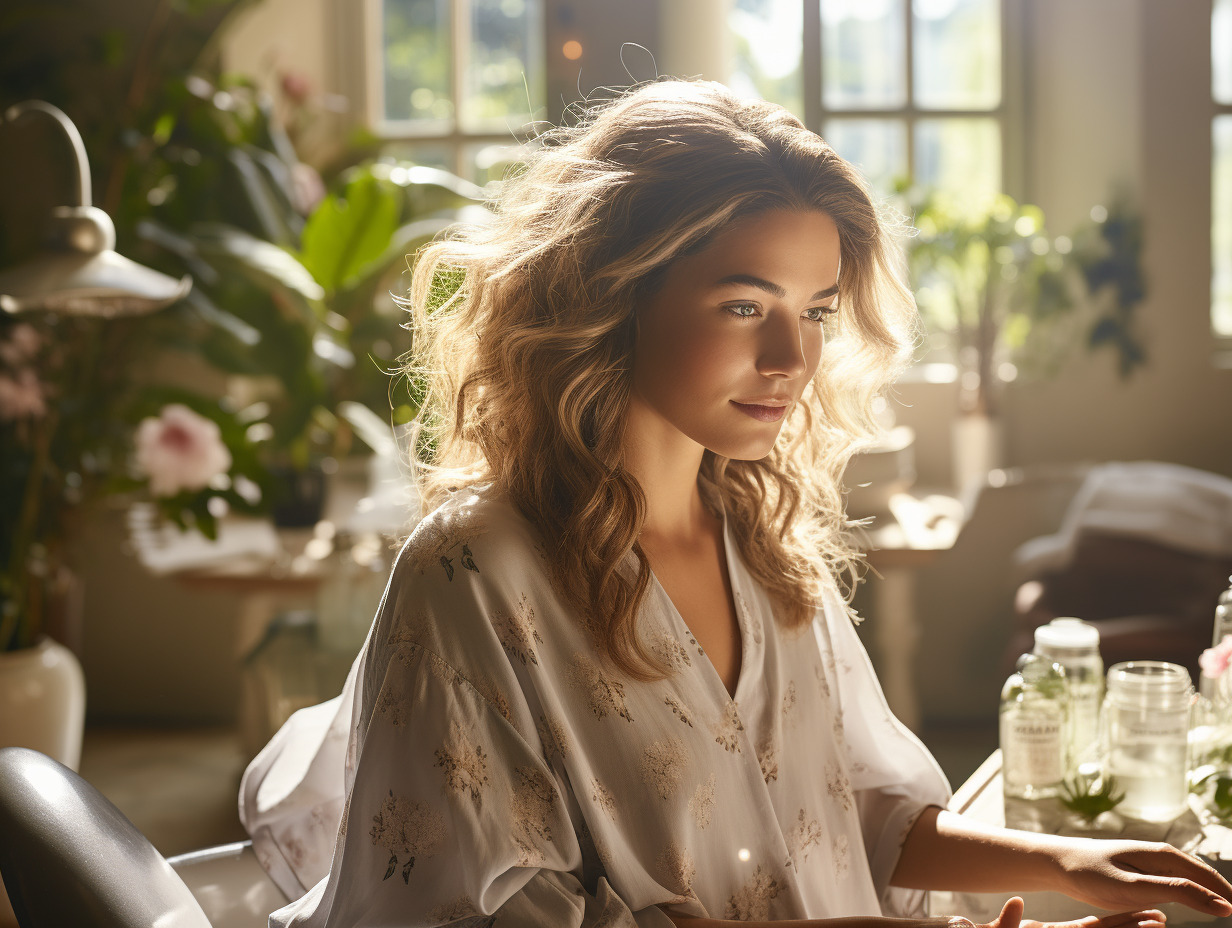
(763, 413)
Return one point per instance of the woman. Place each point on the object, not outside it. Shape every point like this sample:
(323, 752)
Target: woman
(613, 680)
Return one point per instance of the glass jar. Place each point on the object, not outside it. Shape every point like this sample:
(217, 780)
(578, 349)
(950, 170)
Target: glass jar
(1074, 644)
(1035, 728)
(1146, 726)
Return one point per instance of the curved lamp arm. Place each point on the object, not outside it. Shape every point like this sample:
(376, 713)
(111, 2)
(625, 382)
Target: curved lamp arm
(19, 110)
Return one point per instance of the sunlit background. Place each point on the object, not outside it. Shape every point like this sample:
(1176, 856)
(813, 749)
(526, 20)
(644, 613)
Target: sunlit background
(1066, 166)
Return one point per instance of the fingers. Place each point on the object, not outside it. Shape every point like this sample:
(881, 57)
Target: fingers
(1189, 893)
(1170, 861)
(1011, 913)
(1180, 878)
(1147, 918)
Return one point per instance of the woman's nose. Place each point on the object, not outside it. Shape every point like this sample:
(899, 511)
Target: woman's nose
(782, 350)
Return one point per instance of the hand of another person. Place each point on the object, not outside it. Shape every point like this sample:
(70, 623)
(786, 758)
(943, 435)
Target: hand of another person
(1011, 917)
(1132, 874)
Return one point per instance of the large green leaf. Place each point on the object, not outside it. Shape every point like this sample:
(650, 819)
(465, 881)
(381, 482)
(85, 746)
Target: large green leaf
(228, 247)
(347, 233)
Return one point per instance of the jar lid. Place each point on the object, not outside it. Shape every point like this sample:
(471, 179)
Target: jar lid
(1155, 683)
(1067, 634)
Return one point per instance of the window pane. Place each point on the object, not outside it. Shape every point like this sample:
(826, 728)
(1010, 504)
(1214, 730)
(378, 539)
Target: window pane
(417, 61)
(961, 157)
(503, 78)
(1221, 51)
(878, 147)
(485, 163)
(429, 155)
(957, 54)
(1221, 227)
(863, 53)
(767, 41)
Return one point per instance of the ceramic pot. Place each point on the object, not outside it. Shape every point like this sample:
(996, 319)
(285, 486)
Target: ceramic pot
(43, 701)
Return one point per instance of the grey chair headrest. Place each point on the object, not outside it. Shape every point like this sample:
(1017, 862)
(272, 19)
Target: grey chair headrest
(70, 857)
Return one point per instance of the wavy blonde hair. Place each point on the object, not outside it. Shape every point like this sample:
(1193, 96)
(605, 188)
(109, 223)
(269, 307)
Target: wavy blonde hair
(527, 361)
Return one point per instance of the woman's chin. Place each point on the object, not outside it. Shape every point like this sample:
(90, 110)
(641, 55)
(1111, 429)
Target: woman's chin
(745, 450)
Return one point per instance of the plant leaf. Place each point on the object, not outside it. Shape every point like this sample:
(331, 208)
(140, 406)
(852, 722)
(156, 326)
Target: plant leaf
(265, 260)
(348, 232)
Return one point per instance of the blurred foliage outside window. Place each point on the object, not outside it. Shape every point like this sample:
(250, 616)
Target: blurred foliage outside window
(1221, 169)
(461, 82)
(902, 88)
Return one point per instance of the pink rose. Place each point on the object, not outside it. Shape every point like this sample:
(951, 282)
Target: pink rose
(295, 86)
(180, 450)
(1214, 661)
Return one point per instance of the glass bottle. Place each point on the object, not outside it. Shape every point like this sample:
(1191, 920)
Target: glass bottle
(1223, 616)
(1146, 724)
(1074, 644)
(1222, 626)
(1035, 723)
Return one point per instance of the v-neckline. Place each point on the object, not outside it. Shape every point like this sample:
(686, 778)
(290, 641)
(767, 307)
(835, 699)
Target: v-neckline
(741, 624)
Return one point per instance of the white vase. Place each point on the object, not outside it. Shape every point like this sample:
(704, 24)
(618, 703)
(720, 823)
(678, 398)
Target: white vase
(43, 701)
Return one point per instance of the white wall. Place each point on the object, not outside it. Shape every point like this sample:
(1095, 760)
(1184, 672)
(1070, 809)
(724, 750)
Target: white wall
(1129, 101)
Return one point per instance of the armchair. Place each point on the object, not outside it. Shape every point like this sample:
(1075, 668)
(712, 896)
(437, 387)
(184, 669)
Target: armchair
(70, 857)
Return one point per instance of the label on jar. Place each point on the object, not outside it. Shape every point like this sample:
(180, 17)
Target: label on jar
(1162, 728)
(1032, 750)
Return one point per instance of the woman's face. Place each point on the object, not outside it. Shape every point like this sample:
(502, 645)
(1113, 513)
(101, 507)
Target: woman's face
(734, 334)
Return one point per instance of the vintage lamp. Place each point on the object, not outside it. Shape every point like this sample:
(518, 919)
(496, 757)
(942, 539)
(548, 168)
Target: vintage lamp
(78, 272)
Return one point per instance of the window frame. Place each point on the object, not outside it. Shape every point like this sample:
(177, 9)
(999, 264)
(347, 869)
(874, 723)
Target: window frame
(368, 87)
(1008, 113)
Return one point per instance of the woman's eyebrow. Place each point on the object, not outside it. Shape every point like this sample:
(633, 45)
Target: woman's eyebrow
(770, 287)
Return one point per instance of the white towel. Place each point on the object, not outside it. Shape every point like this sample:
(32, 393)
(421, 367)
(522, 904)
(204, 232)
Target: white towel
(1165, 504)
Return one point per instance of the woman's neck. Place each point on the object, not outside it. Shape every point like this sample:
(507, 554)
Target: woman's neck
(666, 464)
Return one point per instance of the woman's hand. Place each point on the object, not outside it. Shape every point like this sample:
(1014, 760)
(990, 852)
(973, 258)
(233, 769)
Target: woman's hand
(1011, 917)
(1129, 874)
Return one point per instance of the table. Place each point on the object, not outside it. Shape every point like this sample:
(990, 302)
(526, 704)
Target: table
(918, 527)
(982, 799)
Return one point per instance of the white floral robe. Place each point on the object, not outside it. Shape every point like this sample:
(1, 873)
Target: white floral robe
(499, 772)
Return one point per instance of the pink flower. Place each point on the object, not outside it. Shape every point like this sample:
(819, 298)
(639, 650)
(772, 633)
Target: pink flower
(21, 396)
(295, 86)
(180, 450)
(1214, 661)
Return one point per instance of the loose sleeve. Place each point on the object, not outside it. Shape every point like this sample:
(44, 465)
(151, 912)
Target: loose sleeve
(893, 776)
(453, 815)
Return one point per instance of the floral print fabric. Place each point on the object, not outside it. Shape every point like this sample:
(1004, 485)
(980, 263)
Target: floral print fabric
(499, 771)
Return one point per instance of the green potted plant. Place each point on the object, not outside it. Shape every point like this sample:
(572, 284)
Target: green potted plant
(292, 310)
(1004, 295)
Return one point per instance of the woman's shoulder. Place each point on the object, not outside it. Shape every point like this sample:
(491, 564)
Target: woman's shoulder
(475, 530)
(461, 595)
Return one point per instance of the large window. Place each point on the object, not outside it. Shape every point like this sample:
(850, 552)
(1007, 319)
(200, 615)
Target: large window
(458, 83)
(908, 89)
(1221, 169)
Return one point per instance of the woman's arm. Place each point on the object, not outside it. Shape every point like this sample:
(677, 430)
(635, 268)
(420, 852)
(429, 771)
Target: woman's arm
(946, 851)
(682, 921)
(1010, 917)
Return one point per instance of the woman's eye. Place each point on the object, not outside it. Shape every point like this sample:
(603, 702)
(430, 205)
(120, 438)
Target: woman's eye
(739, 310)
(819, 313)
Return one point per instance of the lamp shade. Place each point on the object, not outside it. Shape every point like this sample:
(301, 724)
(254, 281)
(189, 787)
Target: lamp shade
(78, 271)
